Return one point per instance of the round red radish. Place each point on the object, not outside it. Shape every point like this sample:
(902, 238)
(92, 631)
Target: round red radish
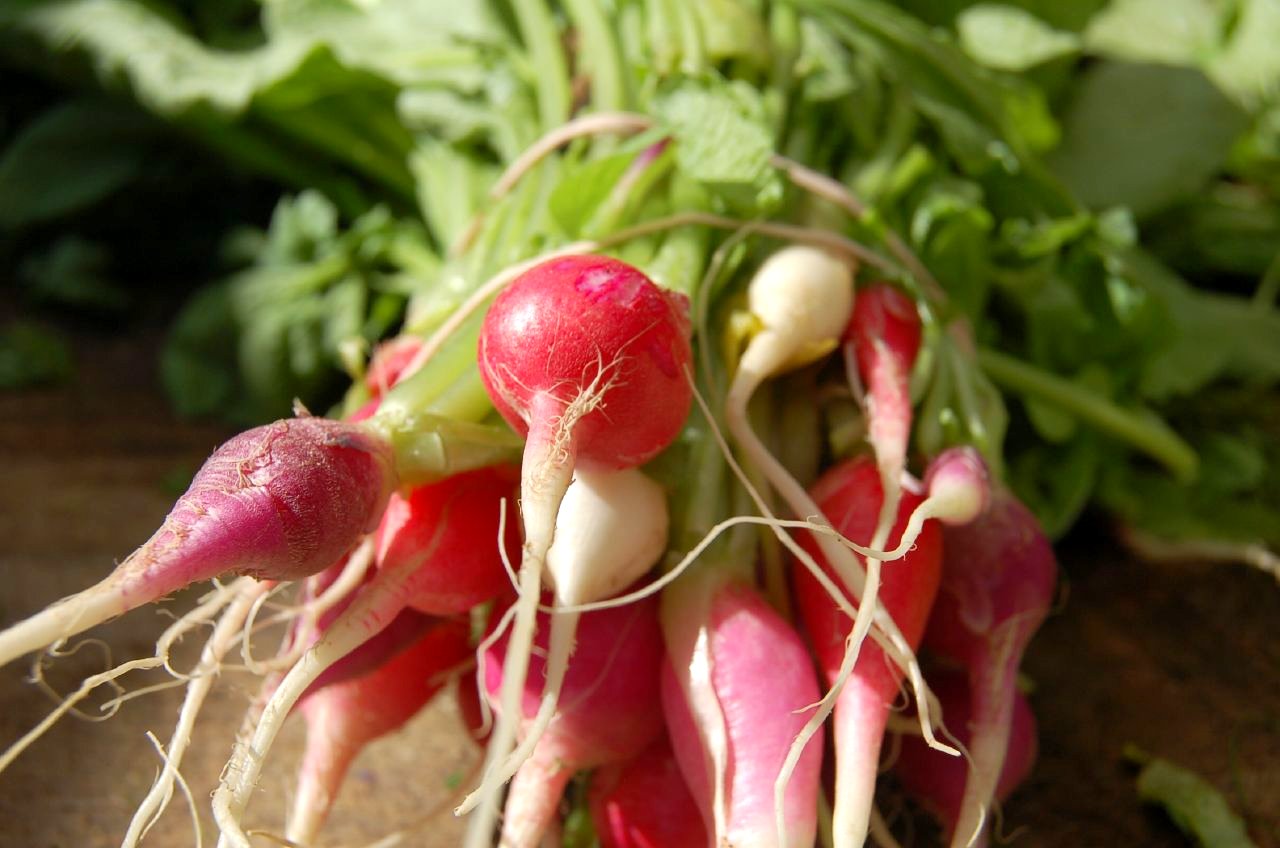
(644, 803)
(590, 324)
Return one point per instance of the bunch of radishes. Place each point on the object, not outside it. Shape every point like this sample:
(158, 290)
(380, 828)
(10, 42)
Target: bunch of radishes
(694, 696)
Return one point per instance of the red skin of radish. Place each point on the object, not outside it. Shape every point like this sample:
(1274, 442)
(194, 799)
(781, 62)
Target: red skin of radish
(458, 515)
(885, 333)
(644, 803)
(999, 578)
(850, 496)
(553, 330)
(763, 679)
(279, 502)
(935, 780)
(388, 363)
(344, 717)
(609, 709)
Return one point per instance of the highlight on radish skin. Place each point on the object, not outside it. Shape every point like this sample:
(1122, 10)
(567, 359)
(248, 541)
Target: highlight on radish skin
(342, 718)
(850, 497)
(937, 782)
(280, 502)
(644, 803)
(760, 676)
(586, 357)
(998, 579)
(609, 710)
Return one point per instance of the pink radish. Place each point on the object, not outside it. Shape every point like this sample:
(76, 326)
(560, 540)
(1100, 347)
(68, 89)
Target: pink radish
(586, 357)
(343, 717)
(407, 541)
(609, 710)
(735, 696)
(850, 497)
(644, 803)
(462, 513)
(279, 502)
(883, 339)
(936, 781)
(998, 580)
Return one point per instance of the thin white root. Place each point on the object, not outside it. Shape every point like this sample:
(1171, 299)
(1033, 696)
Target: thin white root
(64, 619)
(89, 684)
(170, 766)
(1155, 549)
(153, 805)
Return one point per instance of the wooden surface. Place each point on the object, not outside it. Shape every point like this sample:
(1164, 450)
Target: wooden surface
(1182, 660)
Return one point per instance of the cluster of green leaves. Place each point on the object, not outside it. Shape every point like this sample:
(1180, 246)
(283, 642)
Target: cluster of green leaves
(1091, 198)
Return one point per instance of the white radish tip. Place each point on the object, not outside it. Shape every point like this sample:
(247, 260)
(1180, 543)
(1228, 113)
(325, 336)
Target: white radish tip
(958, 485)
(804, 293)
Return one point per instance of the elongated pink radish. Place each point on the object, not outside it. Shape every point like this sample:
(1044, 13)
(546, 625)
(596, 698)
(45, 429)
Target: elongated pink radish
(587, 358)
(343, 717)
(998, 580)
(609, 710)
(883, 340)
(937, 782)
(850, 497)
(751, 668)
(463, 512)
(644, 803)
(471, 575)
(279, 502)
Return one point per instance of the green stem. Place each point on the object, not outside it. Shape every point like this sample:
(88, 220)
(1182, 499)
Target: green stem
(542, 39)
(610, 91)
(1138, 428)
(1264, 297)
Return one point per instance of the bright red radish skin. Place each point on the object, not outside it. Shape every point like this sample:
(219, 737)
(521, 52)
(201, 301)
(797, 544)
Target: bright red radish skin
(344, 717)
(936, 781)
(278, 502)
(763, 679)
(999, 578)
(850, 497)
(644, 803)
(567, 322)
(462, 518)
(884, 332)
(609, 710)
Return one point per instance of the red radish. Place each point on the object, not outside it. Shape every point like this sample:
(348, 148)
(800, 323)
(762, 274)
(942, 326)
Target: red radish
(388, 363)
(998, 580)
(278, 502)
(734, 700)
(883, 338)
(342, 718)
(936, 781)
(850, 497)
(609, 710)
(463, 513)
(586, 357)
(472, 574)
(644, 803)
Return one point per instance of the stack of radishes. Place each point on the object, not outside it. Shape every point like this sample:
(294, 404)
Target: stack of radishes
(698, 709)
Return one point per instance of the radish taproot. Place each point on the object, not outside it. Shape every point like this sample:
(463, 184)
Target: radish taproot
(998, 579)
(343, 717)
(587, 358)
(937, 782)
(735, 690)
(278, 502)
(850, 497)
(644, 803)
(609, 709)
(461, 514)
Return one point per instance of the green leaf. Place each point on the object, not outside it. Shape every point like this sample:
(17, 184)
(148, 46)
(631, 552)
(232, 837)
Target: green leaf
(722, 142)
(72, 272)
(1009, 39)
(583, 190)
(1143, 136)
(1192, 802)
(31, 355)
(1176, 32)
(69, 158)
(1248, 65)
